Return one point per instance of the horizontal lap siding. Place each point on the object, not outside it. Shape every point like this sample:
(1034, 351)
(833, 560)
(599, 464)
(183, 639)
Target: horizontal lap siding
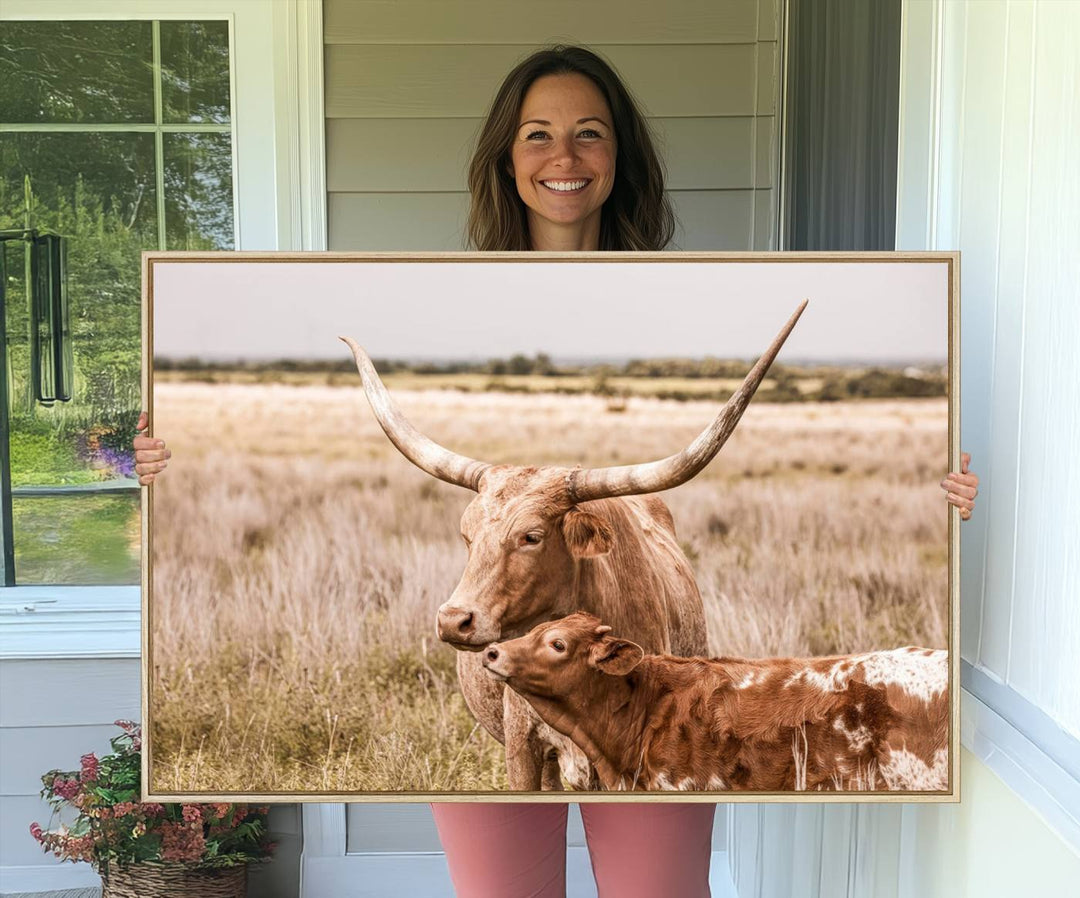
(27, 752)
(408, 83)
(397, 221)
(61, 693)
(52, 713)
(379, 155)
(525, 22)
(460, 80)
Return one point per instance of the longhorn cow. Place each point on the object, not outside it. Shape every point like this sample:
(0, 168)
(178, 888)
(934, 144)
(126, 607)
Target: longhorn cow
(546, 541)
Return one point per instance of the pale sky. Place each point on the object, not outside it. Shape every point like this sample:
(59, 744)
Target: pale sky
(478, 310)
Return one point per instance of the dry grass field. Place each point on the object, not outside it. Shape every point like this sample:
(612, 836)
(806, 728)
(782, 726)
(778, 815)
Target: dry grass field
(299, 561)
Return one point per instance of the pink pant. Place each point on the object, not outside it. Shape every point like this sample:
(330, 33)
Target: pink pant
(641, 850)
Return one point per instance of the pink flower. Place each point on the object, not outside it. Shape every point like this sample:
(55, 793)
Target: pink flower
(153, 809)
(181, 842)
(191, 813)
(65, 788)
(89, 768)
(80, 848)
(36, 832)
(123, 808)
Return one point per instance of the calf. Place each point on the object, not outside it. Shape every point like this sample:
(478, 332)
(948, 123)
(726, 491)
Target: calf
(878, 720)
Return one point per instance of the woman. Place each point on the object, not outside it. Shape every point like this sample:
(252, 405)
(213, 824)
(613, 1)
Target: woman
(565, 163)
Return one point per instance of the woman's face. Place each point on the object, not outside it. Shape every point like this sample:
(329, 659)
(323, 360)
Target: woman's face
(563, 154)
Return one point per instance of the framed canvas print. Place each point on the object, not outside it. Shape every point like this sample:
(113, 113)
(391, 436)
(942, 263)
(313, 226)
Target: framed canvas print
(468, 526)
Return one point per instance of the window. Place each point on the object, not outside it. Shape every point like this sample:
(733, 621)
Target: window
(117, 136)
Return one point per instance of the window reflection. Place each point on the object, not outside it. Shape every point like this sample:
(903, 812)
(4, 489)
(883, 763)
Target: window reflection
(60, 72)
(99, 185)
(195, 71)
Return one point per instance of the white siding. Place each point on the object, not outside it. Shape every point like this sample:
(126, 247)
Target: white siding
(53, 712)
(1009, 200)
(520, 22)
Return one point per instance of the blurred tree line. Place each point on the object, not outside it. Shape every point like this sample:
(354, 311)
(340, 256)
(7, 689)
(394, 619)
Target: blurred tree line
(785, 383)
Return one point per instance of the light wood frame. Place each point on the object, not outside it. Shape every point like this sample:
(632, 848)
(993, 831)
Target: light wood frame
(951, 259)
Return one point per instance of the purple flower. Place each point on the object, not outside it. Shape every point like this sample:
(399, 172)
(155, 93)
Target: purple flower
(118, 461)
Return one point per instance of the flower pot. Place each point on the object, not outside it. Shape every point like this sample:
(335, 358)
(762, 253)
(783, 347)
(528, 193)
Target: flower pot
(172, 880)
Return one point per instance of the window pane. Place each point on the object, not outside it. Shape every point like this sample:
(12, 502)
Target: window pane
(195, 71)
(198, 192)
(76, 72)
(79, 540)
(98, 191)
(111, 173)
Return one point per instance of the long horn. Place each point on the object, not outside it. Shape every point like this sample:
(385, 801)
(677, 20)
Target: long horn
(651, 477)
(425, 453)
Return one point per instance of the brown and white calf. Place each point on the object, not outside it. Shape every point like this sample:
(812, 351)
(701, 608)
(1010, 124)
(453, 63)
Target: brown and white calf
(878, 720)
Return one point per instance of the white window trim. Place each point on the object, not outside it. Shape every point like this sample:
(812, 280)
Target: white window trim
(280, 203)
(300, 118)
(1031, 754)
(277, 96)
(69, 622)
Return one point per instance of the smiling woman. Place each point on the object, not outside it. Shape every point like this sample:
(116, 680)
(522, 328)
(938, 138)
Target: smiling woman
(563, 117)
(563, 160)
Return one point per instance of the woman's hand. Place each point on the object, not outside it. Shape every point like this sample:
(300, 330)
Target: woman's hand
(151, 456)
(961, 489)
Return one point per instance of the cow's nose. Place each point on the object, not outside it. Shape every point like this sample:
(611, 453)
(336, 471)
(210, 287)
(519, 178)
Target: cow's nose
(492, 653)
(453, 623)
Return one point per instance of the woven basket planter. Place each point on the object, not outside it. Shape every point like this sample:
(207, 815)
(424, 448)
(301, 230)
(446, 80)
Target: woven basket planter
(174, 881)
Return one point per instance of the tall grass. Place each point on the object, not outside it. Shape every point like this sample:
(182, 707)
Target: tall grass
(299, 561)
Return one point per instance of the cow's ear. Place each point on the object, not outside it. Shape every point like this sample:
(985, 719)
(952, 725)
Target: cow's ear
(616, 656)
(587, 534)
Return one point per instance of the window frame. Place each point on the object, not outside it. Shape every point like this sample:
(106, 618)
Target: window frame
(276, 96)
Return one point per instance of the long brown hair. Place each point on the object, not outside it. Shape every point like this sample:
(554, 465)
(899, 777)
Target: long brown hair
(637, 214)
